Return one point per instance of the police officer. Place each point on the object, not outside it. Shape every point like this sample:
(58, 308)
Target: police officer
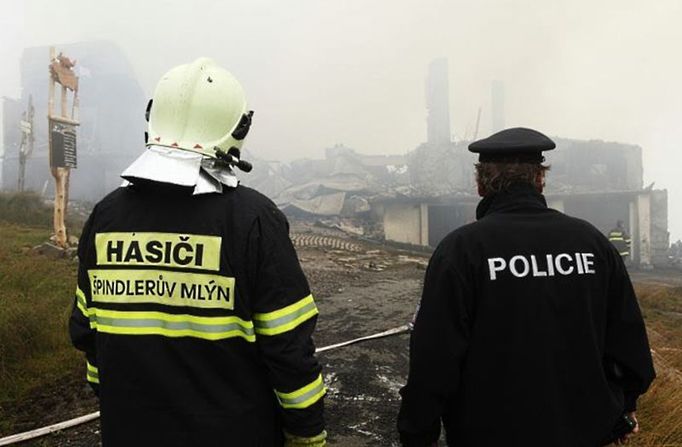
(524, 336)
(191, 307)
(620, 239)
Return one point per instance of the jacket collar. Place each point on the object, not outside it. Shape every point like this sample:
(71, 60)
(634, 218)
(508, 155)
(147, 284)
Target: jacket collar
(518, 197)
(178, 167)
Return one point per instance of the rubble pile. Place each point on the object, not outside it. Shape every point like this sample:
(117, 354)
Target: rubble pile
(337, 189)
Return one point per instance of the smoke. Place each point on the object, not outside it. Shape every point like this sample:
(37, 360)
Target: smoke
(352, 72)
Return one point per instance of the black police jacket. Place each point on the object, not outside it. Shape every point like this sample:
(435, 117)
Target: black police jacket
(528, 333)
(196, 320)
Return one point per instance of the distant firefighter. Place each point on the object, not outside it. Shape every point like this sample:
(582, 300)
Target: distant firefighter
(192, 309)
(620, 239)
(528, 331)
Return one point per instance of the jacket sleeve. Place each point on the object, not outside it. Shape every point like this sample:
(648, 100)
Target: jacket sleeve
(284, 317)
(82, 326)
(437, 347)
(627, 346)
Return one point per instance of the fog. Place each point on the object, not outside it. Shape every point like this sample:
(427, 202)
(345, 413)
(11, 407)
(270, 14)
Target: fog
(319, 73)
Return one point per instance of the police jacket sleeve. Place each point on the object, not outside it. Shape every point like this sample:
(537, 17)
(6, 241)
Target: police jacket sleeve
(437, 347)
(82, 323)
(284, 317)
(627, 346)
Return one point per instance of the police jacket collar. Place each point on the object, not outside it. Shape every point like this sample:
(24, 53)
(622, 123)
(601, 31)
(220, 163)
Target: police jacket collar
(518, 197)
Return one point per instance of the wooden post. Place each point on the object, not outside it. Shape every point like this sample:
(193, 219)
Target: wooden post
(27, 140)
(61, 72)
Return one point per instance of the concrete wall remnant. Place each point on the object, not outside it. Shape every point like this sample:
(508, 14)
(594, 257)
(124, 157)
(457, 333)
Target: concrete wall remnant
(404, 223)
(590, 166)
(497, 94)
(438, 102)
(660, 237)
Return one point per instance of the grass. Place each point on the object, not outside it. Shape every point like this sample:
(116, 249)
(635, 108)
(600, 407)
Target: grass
(36, 296)
(28, 208)
(25, 208)
(660, 410)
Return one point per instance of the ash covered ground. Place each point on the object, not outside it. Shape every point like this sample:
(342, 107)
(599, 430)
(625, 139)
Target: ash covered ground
(360, 289)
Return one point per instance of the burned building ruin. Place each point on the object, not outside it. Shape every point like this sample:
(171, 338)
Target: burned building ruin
(418, 198)
(111, 133)
(601, 182)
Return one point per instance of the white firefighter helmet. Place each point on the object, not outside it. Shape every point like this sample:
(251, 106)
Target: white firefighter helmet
(198, 107)
(197, 115)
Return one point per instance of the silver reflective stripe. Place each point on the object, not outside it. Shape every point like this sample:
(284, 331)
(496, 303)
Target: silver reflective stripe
(303, 397)
(174, 325)
(82, 305)
(286, 319)
(92, 374)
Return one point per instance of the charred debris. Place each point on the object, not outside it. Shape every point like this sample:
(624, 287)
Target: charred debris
(413, 199)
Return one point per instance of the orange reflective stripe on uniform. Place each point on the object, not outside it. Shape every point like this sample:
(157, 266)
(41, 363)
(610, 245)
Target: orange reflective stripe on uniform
(92, 373)
(286, 318)
(304, 396)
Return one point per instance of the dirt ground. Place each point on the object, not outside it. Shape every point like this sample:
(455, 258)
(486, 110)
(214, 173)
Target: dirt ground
(360, 288)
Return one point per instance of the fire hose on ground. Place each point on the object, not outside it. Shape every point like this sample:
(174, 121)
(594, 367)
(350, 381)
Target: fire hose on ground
(26, 436)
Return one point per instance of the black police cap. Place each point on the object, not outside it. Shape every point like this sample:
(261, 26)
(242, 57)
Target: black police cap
(518, 144)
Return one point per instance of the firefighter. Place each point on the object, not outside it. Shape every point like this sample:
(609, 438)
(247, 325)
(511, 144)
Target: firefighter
(621, 240)
(524, 336)
(191, 306)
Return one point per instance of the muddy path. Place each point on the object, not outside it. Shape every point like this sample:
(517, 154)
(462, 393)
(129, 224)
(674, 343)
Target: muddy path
(363, 380)
(360, 289)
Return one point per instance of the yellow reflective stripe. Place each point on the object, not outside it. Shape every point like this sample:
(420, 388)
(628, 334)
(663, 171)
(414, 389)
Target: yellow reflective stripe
(172, 325)
(83, 307)
(616, 239)
(81, 303)
(266, 316)
(92, 368)
(92, 374)
(303, 397)
(312, 441)
(286, 318)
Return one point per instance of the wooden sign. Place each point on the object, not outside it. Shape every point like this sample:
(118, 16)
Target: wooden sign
(63, 145)
(62, 137)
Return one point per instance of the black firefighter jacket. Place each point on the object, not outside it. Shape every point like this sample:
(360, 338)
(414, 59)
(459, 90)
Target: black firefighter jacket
(528, 333)
(196, 320)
